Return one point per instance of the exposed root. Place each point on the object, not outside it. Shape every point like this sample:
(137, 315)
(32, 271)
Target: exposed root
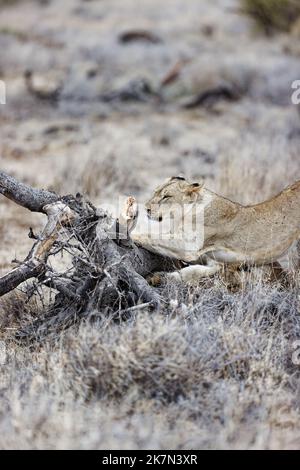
(107, 271)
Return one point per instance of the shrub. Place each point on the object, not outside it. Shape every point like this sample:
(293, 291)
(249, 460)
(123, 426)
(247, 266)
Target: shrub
(272, 15)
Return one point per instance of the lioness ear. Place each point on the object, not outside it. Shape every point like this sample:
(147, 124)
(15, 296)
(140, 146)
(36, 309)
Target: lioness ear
(193, 188)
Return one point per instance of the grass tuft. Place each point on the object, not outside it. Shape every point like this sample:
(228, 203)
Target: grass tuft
(273, 15)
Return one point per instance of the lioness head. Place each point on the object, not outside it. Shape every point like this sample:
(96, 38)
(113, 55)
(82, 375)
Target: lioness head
(175, 190)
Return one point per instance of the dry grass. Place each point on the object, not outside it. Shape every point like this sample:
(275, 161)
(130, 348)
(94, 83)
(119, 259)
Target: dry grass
(272, 15)
(251, 171)
(214, 369)
(7, 2)
(96, 174)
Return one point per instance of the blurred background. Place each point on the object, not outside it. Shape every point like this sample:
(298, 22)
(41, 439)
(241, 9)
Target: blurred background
(112, 96)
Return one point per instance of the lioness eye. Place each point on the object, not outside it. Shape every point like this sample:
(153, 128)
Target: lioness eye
(165, 197)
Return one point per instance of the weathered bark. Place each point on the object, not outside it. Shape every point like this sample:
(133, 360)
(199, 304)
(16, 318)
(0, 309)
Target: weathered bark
(24, 195)
(35, 263)
(14, 278)
(107, 274)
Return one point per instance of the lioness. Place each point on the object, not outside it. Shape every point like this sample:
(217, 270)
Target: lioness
(212, 231)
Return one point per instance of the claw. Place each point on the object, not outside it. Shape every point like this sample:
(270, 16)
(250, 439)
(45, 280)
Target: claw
(155, 279)
(129, 213)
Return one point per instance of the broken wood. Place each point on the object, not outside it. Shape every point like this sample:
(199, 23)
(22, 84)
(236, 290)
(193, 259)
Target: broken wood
(35, 263)
(106, 273)
(24, 195)
(139, 35)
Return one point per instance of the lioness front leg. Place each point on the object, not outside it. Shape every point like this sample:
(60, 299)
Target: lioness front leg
(188, 274)
(194, 272)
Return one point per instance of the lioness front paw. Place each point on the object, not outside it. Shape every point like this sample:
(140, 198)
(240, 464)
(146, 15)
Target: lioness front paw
(155, 279)
(129, 214)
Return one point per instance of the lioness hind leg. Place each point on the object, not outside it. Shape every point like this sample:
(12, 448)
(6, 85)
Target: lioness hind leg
(277, 273)
(298, 255)
(285, 275)
(287, 267)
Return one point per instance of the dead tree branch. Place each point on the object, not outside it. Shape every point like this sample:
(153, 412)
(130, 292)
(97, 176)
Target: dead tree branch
(106, 274)
(24, 195)
(59, 215)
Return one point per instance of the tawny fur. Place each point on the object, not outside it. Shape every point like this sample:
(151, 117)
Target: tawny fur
(231, 233)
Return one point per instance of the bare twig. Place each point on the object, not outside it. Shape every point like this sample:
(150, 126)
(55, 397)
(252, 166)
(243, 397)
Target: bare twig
(34, 265)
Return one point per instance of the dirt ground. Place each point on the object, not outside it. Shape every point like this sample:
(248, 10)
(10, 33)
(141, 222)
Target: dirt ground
(112, 128)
